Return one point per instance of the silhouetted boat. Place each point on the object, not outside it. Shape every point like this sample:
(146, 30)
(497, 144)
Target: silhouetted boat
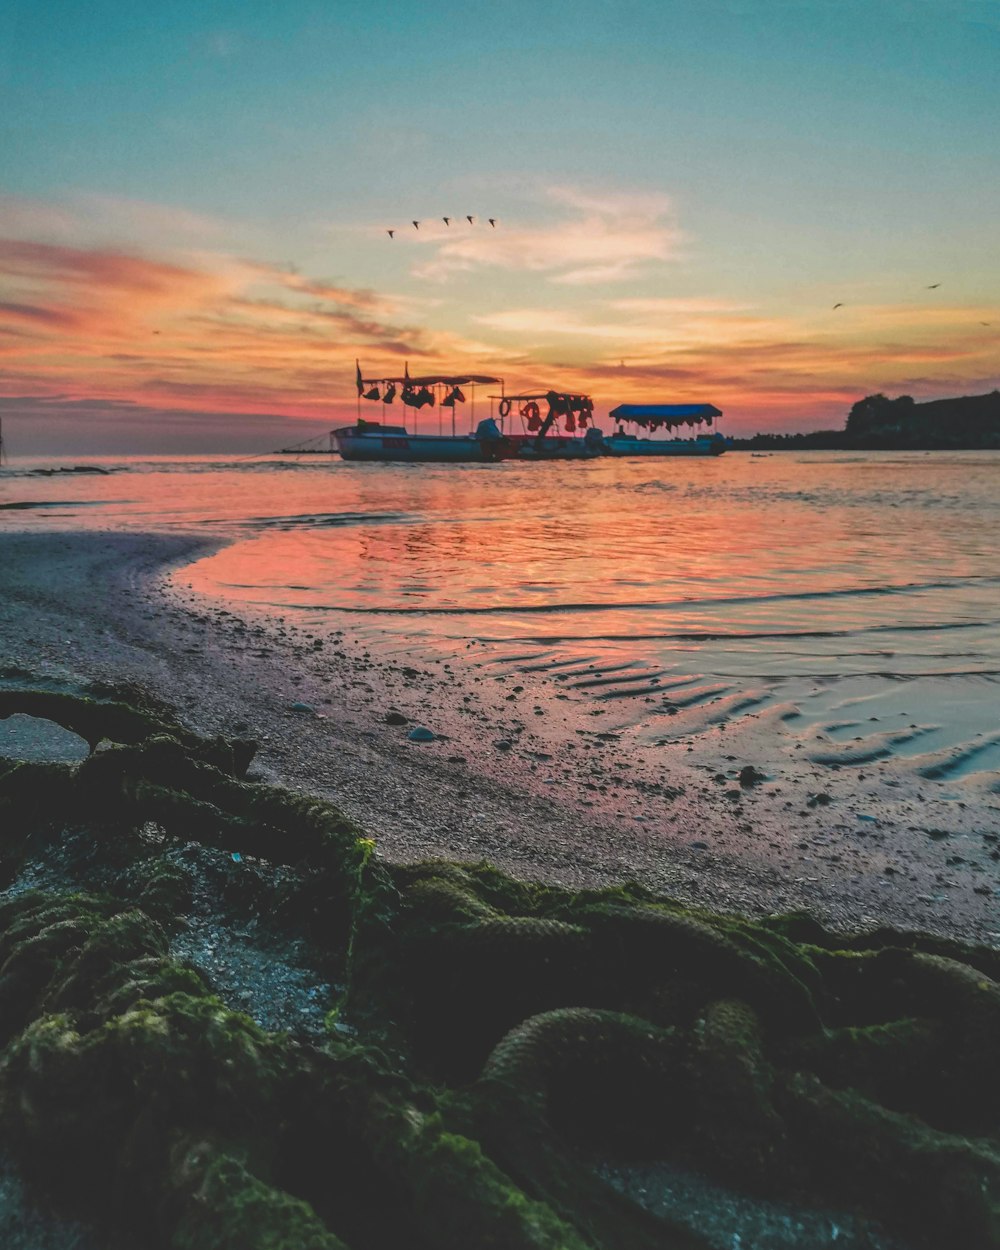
(541, 438)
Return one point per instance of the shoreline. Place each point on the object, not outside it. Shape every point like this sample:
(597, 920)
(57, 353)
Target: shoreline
(106, 605)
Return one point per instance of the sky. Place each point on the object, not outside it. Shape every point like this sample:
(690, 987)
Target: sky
(195, 198)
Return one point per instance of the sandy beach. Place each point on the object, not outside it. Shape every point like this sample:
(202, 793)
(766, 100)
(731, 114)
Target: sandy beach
(555, 806)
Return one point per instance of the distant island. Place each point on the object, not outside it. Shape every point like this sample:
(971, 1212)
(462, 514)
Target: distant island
(877, 423)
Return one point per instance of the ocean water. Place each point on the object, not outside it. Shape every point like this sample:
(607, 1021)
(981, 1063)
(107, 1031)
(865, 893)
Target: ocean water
(841, 608)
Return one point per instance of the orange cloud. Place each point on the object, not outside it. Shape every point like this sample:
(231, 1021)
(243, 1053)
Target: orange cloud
(205, 332)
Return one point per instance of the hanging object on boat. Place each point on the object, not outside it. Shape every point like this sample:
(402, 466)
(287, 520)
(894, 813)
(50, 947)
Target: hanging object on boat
(531, 411)
(372, 394)
(390, 393)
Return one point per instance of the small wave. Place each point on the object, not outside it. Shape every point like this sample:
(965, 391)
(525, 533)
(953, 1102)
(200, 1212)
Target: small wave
(24, 504)
(686, 605)
(328, 520)
(31, 503)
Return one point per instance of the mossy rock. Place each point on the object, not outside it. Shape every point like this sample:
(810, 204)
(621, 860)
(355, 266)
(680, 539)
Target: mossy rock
(505, 1033)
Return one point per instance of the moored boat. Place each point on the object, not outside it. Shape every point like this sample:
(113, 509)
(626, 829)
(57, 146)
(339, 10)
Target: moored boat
(541, 438)
(671, 417)
(374, 440)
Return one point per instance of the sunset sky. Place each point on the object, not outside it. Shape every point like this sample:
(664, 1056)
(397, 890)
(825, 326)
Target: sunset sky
(195, 199)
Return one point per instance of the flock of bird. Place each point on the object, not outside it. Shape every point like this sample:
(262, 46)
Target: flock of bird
(447, 221)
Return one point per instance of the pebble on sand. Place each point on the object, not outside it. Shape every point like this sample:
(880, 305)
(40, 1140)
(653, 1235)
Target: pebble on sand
(420, 733)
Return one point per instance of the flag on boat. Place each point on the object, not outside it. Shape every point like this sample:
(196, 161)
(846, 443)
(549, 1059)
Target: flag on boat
(359, 379)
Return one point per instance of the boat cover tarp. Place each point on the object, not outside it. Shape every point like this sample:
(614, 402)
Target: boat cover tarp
(664, 414)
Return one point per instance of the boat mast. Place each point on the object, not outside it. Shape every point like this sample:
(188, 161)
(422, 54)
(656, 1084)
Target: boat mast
(3, 449)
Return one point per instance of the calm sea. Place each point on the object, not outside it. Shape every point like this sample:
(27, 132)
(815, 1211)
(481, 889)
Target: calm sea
(845, 606)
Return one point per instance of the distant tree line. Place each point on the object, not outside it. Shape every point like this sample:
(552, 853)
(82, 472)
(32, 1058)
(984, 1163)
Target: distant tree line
(878, 423)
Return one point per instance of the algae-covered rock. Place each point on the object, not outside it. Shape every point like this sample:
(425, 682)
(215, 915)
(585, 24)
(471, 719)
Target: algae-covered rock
(491, 1038)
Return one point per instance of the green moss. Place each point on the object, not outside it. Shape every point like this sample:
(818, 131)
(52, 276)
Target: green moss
(225, 1207)
(500, 1028)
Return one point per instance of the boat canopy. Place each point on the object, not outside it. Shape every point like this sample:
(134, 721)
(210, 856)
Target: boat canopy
(537, 395)
(436, 379)
(665, 414)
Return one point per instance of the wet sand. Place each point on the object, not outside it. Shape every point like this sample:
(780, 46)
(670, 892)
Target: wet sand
(506, 778)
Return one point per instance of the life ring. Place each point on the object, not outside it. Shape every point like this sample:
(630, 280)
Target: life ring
(504, 408)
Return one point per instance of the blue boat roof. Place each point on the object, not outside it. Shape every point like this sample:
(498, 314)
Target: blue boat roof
(663, 412)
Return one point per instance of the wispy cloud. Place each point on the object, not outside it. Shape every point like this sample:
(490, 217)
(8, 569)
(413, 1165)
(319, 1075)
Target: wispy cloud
(594, 238)
(100, 218)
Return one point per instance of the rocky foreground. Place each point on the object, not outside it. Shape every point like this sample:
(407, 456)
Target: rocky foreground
(464, 1059)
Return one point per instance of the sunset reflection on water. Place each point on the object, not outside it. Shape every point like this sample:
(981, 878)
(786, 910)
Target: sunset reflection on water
(796, 582)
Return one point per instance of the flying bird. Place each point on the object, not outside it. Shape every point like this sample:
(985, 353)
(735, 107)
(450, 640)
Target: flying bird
(446, 220)
(469, 220)
(416, 225)
(934, 286)
(492, 221)
(390, 233)
(838, 305)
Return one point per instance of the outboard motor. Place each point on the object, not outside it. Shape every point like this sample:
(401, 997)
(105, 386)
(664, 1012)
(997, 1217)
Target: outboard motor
(487, 431)
(593, 440)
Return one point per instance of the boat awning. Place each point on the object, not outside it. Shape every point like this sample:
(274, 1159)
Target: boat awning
(665, 414)
(536, 395)
(437, 379)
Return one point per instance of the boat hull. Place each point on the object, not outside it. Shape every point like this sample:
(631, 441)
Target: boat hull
(618, 446)
(355, 444)
(552, 448)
